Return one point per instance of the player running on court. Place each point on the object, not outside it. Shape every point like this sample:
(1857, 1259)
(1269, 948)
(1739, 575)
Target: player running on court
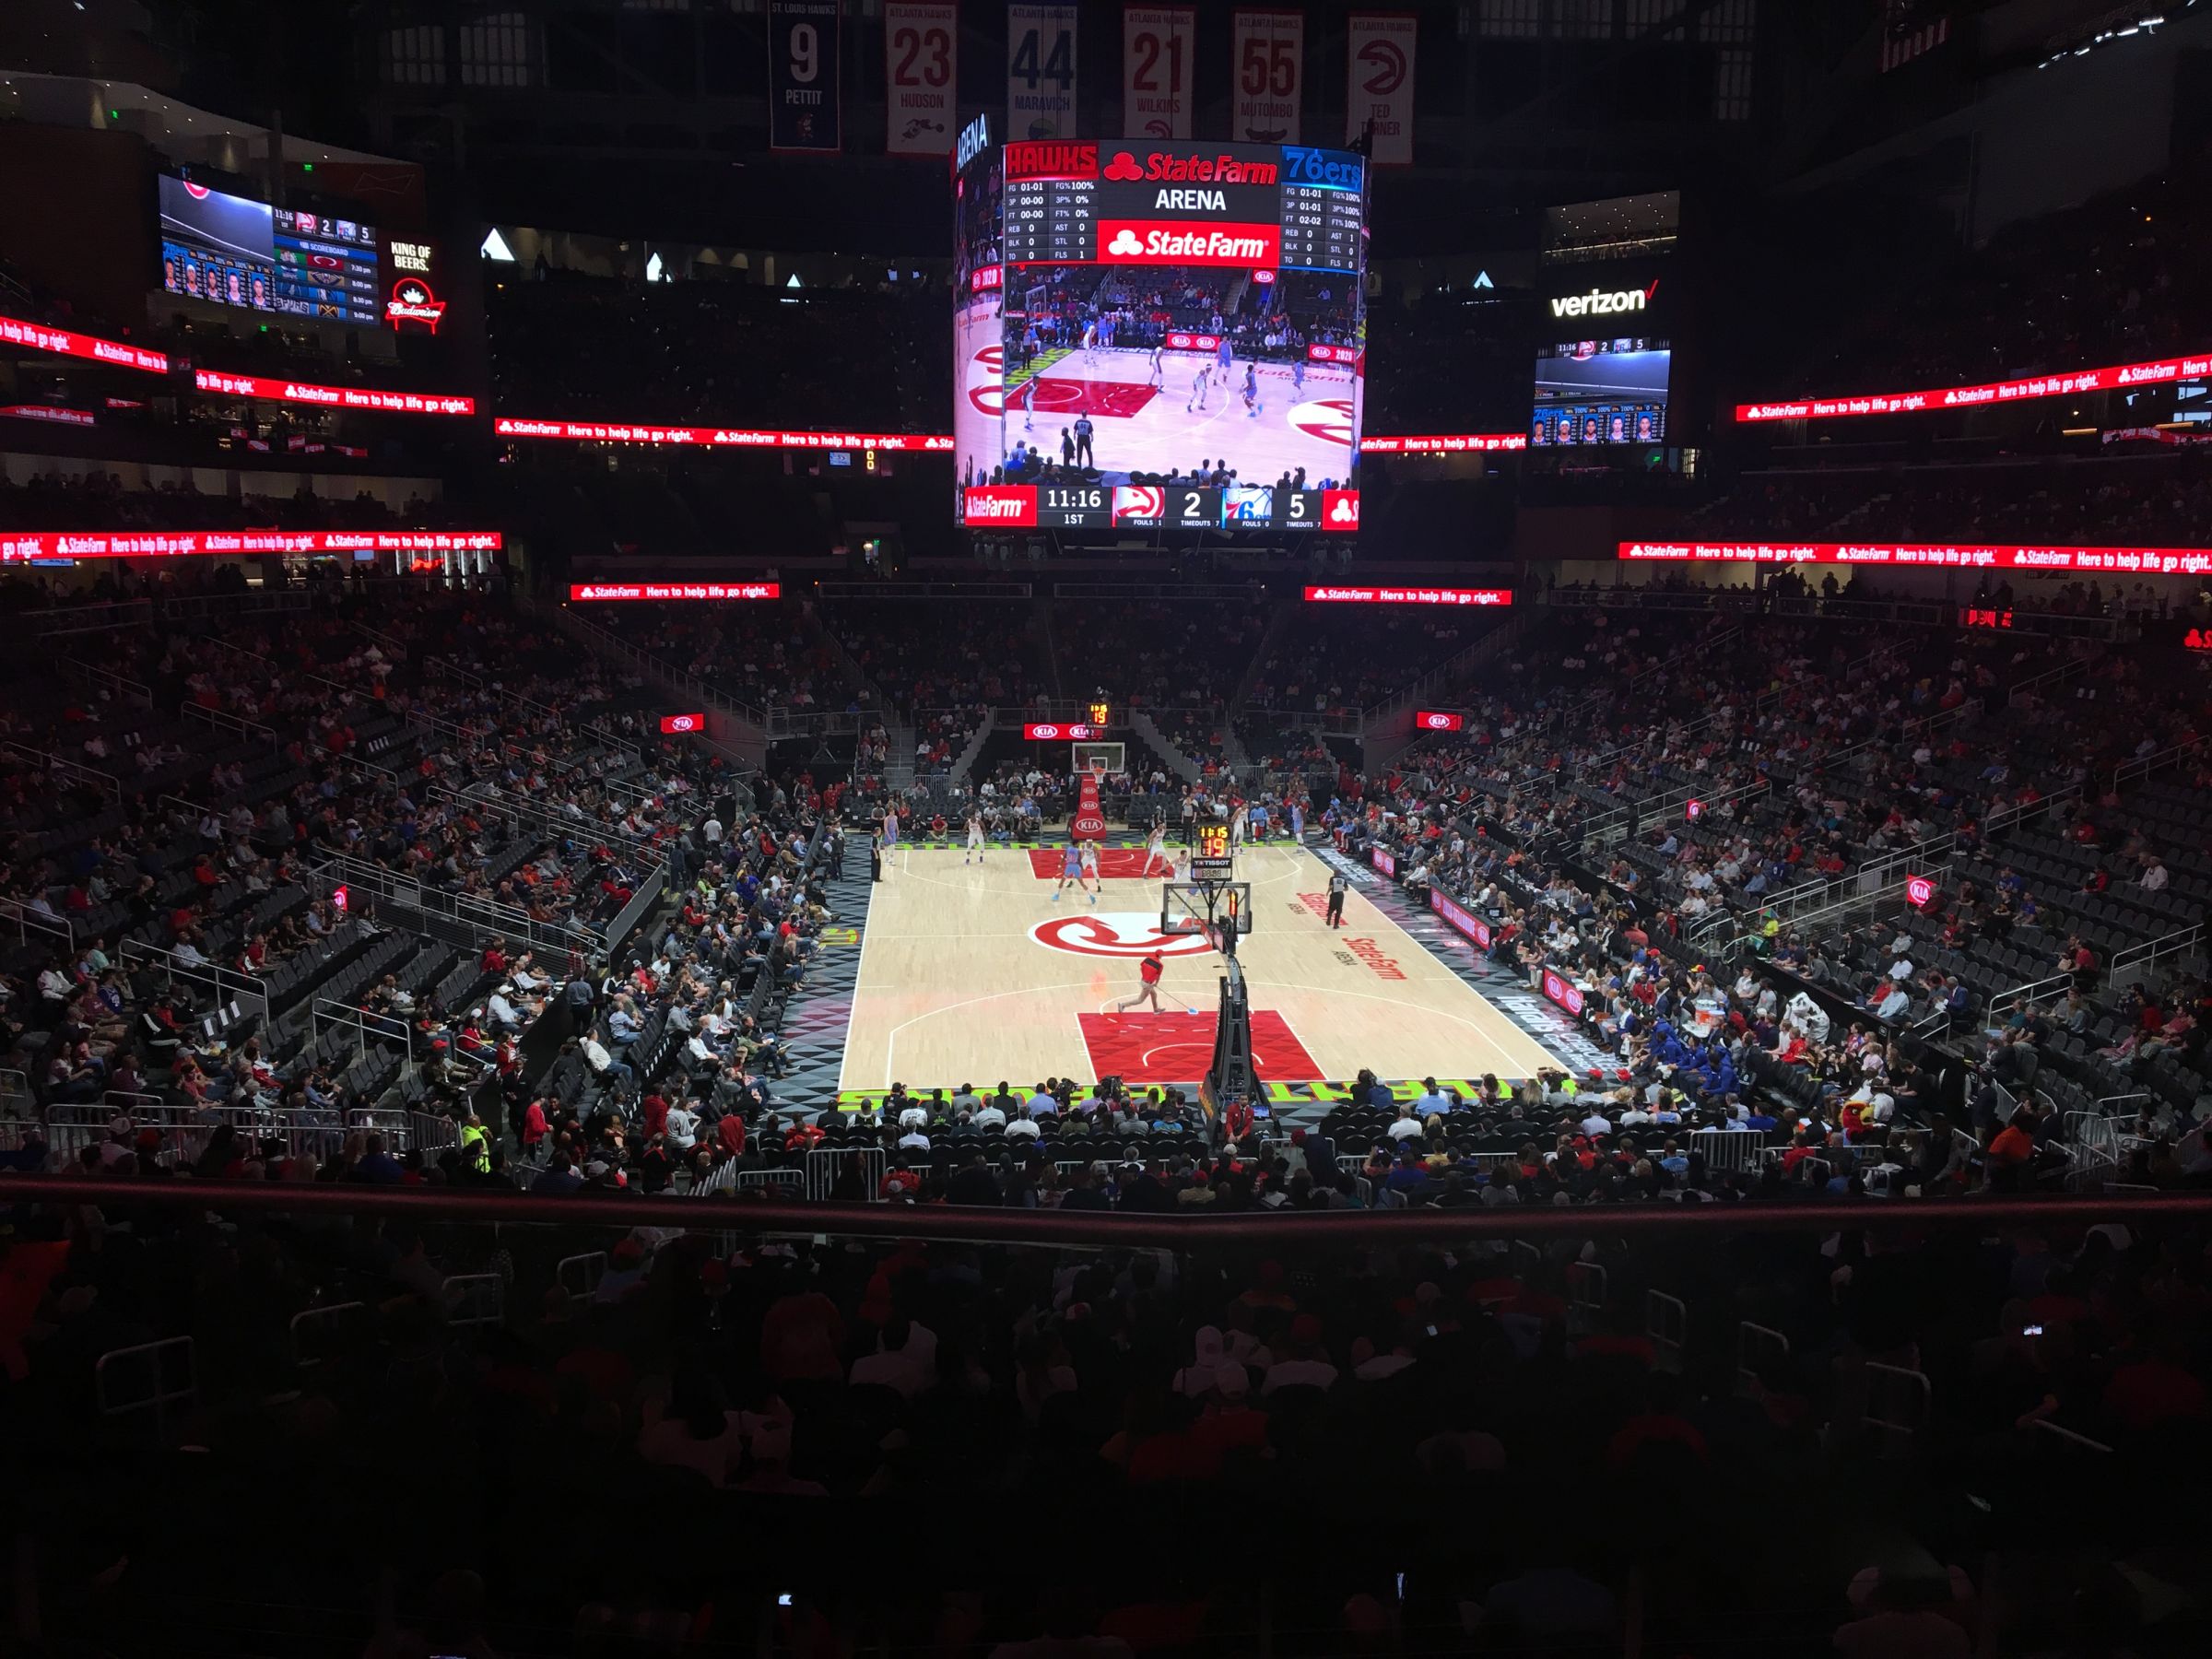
(1252, 390)
(1199, 383)
(1156, 846)
(1071, 870)
(975, 837)
(1298, 379)
(1148, 972)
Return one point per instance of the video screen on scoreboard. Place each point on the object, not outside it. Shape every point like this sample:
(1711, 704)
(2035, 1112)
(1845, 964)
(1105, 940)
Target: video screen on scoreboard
(1159, 335)
(231, 250)
(1601, 391)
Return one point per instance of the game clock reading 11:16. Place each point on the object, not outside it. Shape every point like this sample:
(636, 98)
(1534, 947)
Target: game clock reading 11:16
(1079, 503)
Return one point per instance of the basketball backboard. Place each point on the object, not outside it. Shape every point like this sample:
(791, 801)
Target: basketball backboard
(1189, 907)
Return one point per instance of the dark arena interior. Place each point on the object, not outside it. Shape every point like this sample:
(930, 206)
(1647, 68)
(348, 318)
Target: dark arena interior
(728, 866)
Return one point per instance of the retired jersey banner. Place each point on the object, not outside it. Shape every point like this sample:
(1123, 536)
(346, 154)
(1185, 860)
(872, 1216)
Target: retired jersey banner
(1041, 72)
(921, 67)
(805, 113)
(1377, 99)
(1156, 70)
(1266, 77)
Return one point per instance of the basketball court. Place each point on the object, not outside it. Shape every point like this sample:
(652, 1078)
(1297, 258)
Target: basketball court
(1144, 427)
(971, 973)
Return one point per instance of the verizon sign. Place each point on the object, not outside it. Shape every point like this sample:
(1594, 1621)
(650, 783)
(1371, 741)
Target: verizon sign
(16, 547)
(624, 431)
(2115, 378)
(1599, 303)
(334, 397)
(2146, 561)
(1408, 595)
(37, 337)
(593, 592)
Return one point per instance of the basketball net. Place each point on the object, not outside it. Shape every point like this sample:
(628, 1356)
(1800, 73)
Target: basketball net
(1090, 823)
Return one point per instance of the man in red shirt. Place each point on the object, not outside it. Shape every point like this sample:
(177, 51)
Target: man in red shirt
(1149, 973)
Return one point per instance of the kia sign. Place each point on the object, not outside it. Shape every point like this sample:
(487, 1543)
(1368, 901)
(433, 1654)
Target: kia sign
(334, 397)
(2116, 378)
(2142, 561)
(37, 337)
(1465, 920)
(671, 724)
(623, 431)
(1408, 595)
(1693, 810)
(1562, 991)
(596, 592)
(19, 547)
(1445, 443)
(1437, 719)
(1385, 860)
(1046, 732)
(1920, 892)
(339, 900)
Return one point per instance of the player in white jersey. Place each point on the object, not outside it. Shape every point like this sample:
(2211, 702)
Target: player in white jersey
(1090, 341)
(1156, 846)
(1090, 870)
(1159, 372)
(1237, 825)
(975, 839)
(1198, 385)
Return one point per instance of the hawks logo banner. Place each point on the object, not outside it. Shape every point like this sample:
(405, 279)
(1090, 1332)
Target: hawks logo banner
(1090, 822)
(804, 112)
(1156, 70)
(1267, 77)
(1377, 99)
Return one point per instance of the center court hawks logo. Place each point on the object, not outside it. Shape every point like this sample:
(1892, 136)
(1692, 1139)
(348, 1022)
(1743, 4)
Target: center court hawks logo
(1123, 934)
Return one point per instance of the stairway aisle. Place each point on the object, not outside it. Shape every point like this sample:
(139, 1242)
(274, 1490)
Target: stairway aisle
(815, 1019)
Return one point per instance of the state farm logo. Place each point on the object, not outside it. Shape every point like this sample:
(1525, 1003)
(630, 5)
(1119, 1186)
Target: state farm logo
(1163, 167)
(1340, 510)
(1000, 504)
(1598, 303)
(1151, 240)
(1121, 934)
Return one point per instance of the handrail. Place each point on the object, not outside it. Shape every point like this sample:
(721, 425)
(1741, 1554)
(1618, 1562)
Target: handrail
(67, 769)
(106, 679)
(2128, 955)
(27, 919)
(483, 917)
(600, 638)
(1105, 1230)
(224, 720)
(228, 982)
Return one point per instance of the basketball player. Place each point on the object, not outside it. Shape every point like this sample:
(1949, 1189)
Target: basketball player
(1071, 869)
(1159, 372)
(1298, 823)
(1199, 383)
(1156, 846)
(1238, 824)
(890, 830)
(975, 837)
(1149, 973)
(1339, 886)
(1090, 870)
(1090, 341)
(1252, 390)
(1298, 379)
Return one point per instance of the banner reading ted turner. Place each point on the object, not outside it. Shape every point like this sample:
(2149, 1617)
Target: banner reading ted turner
(1378, 100)
(805, 111)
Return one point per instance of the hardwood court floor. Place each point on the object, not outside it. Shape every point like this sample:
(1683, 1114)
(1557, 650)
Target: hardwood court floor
(972, 974)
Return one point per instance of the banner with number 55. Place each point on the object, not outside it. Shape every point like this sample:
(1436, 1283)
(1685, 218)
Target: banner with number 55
(922, 73)
(805, 112)
(1267, 77)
